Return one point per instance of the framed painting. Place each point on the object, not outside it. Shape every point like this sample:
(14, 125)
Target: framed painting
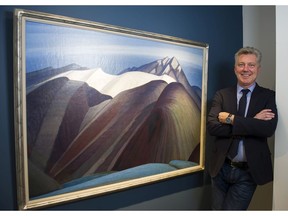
(101, 108)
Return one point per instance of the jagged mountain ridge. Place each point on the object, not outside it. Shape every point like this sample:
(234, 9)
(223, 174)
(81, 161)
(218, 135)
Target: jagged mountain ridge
(106, 83)
(171, 67)
(162, 68)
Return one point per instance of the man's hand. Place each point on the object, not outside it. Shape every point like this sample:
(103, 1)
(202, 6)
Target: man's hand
(222, 117)
(265, 114)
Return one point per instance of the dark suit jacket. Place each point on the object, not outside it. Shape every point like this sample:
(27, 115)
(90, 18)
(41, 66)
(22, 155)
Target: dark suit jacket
(255, 131)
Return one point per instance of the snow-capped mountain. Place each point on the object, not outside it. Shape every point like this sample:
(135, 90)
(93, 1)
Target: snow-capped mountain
(84, 121)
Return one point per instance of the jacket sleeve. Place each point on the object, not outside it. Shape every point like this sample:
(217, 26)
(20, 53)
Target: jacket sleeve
(214, 127)
(251, 126)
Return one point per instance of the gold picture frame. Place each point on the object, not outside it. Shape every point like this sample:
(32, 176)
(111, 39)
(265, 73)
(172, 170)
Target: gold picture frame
(101, 108)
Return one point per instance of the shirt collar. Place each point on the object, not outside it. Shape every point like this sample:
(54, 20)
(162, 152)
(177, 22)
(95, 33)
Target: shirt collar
(251, 88)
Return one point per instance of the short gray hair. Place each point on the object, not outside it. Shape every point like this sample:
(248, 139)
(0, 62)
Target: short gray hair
(249, 50)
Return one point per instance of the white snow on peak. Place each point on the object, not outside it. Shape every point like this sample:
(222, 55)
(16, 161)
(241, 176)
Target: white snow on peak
(113, 84)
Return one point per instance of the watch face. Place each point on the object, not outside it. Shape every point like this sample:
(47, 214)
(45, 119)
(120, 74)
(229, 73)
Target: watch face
(228, 120)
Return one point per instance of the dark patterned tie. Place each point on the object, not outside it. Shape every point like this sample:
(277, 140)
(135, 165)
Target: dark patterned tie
(241, 112)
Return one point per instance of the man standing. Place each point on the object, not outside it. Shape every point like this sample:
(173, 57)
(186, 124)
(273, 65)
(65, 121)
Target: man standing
(241, 118)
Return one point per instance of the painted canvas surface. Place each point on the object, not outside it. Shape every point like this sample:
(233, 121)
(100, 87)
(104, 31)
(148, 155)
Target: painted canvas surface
(105, 107)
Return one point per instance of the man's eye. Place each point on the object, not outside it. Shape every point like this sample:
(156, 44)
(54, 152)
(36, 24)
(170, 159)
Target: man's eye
(250, 65)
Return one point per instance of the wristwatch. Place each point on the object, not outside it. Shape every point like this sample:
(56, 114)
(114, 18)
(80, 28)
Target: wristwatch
(228, 120)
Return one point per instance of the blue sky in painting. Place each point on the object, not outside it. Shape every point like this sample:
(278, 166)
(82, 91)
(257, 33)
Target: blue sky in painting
(56, 46)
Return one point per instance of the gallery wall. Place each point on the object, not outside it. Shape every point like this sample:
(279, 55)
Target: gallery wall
(259, 31)
(219, 26)
(280, 189)
(265, 27)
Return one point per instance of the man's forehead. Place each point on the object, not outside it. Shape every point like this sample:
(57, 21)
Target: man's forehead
(250, 57)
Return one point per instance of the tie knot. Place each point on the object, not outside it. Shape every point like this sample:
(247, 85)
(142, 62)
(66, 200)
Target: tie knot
(245, 91)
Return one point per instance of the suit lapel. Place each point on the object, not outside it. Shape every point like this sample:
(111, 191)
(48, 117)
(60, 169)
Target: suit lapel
(254, 98)
(233, 99)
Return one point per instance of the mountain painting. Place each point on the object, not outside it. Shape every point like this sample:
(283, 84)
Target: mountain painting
(105, 107)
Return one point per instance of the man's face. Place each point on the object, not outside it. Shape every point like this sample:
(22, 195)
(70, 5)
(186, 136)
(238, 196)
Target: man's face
(246, 69)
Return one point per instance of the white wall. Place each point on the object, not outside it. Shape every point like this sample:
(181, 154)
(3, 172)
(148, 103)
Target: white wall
(265, 27)
(259, 32)
(280, 193)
